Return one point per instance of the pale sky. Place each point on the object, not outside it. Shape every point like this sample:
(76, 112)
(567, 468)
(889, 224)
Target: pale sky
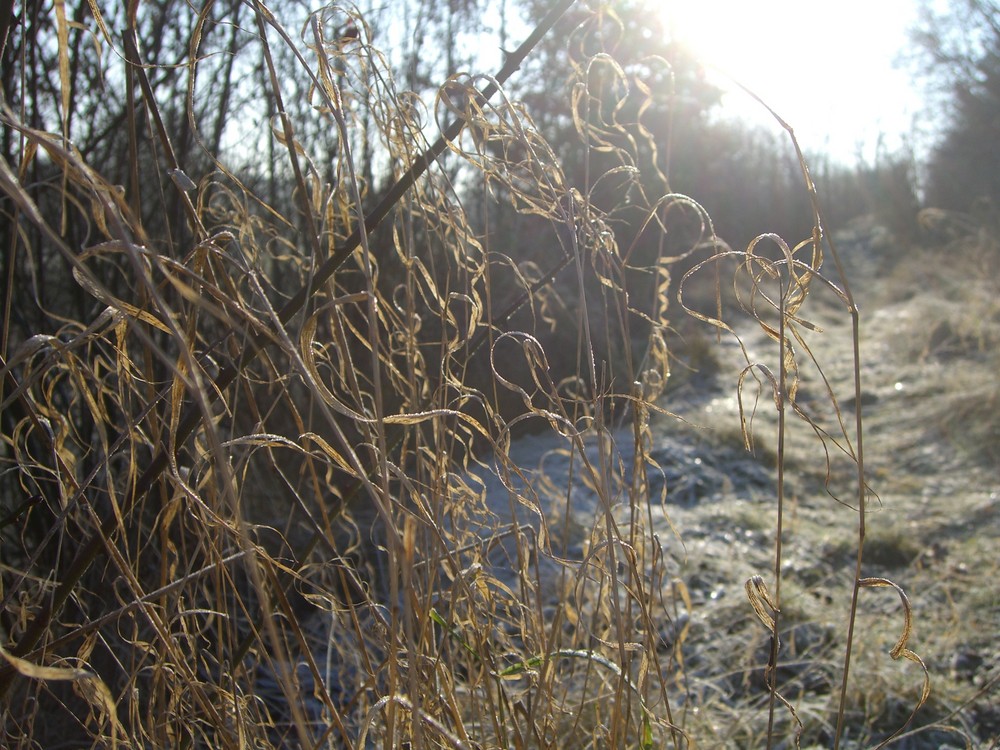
(825, 66)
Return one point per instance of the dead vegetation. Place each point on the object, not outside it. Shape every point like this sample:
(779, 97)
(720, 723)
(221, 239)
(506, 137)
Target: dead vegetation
(260, 478)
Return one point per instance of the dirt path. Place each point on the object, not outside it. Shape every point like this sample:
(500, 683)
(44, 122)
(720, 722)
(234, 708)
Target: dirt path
(701, 520)
(928, 341)
(929, 406)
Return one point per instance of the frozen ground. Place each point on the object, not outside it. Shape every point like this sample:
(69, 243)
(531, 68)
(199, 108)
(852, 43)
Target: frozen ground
(696, 517)
(928, 345)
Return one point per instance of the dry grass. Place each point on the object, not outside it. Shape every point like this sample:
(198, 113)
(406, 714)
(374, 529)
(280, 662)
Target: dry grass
(267, 496)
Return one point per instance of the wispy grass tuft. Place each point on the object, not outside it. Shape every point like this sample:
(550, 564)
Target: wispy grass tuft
(292, 457)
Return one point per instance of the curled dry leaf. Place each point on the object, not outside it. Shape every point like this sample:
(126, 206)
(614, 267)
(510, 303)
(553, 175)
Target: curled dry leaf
(39, 672)
(900, 650)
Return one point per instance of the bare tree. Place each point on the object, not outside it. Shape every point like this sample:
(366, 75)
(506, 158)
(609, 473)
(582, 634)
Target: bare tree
(959, 49)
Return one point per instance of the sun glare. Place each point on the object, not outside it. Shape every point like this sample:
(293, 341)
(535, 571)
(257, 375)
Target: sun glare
(762, 46)
(826, 68)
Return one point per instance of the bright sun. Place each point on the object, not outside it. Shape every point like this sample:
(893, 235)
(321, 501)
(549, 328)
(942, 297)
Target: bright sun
(825, 67)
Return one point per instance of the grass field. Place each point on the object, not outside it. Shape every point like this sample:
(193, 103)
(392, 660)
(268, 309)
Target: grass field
(511, 452)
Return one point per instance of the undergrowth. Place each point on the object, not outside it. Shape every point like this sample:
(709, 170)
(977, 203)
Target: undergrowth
(256, 460)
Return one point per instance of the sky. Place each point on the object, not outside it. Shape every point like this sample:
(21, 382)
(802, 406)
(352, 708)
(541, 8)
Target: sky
(827, 67)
